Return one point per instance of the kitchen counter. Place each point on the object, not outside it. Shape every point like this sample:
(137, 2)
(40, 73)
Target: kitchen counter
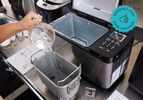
(32, 79)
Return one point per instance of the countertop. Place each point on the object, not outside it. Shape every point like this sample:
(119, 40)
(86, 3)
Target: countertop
(32, 79)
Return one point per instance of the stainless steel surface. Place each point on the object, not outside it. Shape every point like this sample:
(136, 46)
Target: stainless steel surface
(98, 71)
(95, 69)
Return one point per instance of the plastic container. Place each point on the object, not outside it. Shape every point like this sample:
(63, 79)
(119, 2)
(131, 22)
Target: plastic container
(78, 29)
(60, 76)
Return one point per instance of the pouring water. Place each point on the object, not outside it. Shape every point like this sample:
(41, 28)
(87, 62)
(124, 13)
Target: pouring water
(43, 36)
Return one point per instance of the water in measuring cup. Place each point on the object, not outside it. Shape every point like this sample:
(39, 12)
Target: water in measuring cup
(42, 41)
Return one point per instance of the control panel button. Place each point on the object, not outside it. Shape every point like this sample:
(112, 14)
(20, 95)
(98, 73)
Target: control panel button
(109, 44)
(108, 39)
(112, 41)
(104, 42)
(112, 47)
(117, 43)
(101, 47)
(107, 50)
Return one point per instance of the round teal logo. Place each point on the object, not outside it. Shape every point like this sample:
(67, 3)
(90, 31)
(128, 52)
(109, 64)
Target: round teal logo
(124, 18)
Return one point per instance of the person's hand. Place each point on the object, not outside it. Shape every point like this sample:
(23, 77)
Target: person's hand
(30, 20)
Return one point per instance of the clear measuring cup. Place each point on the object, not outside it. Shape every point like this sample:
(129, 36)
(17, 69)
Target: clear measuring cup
(43, 36)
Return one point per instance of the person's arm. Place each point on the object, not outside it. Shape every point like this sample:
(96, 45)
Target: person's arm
(8, 30)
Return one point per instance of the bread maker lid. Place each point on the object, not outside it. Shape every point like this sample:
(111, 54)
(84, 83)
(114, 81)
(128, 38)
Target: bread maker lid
(101, 9)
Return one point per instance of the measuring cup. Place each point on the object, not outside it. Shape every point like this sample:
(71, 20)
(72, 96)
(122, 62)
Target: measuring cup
(42, 36)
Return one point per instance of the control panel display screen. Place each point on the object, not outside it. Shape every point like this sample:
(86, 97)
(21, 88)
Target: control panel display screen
(117, 36)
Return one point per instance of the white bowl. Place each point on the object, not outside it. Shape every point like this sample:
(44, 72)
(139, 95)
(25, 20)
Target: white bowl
(13, 38)
(19, 34)
(5, 43)
(25, 33)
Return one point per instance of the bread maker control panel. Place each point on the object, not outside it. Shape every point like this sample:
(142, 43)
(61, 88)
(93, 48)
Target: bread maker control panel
(111, 42)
